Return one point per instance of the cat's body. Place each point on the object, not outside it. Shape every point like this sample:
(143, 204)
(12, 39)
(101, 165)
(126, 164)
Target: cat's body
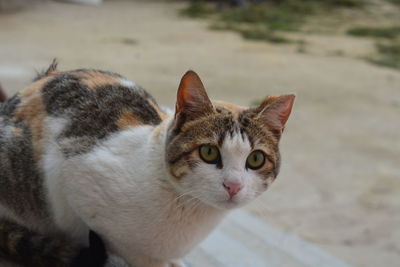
(89, 149)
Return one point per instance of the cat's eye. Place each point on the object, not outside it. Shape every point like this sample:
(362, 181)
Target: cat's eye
(209, 153)
(255, 160)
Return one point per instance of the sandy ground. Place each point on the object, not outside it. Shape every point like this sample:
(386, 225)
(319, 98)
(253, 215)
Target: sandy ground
(340, 181)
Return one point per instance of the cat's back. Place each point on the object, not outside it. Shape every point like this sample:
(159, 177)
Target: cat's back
(81, 108)
(92, 104)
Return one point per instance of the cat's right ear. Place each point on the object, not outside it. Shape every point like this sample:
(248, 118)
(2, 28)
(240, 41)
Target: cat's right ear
(274, 111)
(192, 100)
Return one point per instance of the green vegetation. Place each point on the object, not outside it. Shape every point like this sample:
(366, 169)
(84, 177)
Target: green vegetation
(396, 2)
(384, 32)
(275, 17)
(198, 9)
(345, 3)
(389, 55)
(262, 21)
(258, 33)
(268, 20)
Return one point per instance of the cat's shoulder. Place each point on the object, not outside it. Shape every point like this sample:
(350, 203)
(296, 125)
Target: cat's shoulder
(91, 103)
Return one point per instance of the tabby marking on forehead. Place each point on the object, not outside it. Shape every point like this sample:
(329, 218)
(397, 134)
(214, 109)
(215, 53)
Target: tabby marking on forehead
(225, 107)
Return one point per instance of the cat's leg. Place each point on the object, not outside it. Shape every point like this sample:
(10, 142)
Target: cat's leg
(115, 261)
(93, 256)
(146, 261)
(19, 245)
(177, 263)
(8, 264)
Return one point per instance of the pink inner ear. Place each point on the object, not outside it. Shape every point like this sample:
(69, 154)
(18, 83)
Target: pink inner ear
(191, 94)
(277, 109)
(286, 108)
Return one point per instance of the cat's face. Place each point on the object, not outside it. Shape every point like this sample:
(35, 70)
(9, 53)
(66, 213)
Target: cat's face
(221, 154)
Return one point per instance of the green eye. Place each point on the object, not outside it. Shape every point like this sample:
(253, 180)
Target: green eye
(209, 154)
(255, 160)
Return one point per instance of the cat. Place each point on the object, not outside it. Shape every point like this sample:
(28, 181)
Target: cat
(89, 149)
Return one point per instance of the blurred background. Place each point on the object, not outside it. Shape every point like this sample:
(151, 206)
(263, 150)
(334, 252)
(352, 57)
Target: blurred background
(339, 187)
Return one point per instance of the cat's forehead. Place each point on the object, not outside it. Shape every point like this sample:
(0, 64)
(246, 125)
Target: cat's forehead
(229, 123)
(228, 108)
(235, 145)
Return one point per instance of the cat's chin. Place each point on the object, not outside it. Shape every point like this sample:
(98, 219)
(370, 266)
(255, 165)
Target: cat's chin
(223, 204)
(228, 204)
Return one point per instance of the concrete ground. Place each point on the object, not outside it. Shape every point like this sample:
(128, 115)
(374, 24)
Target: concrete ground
(244, 240)
(339, 187)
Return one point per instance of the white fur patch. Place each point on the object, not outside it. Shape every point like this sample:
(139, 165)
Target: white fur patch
(127, 83)
(118, 191)
(115, 261)
(53, 164)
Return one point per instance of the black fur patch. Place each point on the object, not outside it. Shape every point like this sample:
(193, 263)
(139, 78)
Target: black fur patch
(24, 246)
(20, 179)
(9, 107)
(93, 256)
(92, 114)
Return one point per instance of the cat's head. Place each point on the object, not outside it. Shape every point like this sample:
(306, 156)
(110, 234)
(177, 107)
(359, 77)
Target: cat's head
(222, 154)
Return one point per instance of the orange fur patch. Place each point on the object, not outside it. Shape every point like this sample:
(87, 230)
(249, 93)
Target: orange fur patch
(160, 113)
(32, 111)
(16, 131)
(95, 80)
(128, 119)
(179, 170)
(158, 131)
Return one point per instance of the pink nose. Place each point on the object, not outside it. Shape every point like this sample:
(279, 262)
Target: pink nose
(232, 188)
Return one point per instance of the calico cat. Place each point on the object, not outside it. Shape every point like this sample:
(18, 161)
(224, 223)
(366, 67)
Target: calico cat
(89, 149)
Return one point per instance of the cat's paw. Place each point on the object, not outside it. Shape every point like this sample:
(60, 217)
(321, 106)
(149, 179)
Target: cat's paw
(93, 256)
(115, 261)
(177, 263)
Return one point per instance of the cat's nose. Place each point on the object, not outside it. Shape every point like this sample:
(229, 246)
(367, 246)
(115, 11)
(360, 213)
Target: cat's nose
(232, 188)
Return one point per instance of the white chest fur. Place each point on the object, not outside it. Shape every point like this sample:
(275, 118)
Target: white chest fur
(121, 191)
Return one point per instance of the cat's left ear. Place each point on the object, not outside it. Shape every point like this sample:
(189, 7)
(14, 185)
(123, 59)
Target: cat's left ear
(274, 111)
(192, 100)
